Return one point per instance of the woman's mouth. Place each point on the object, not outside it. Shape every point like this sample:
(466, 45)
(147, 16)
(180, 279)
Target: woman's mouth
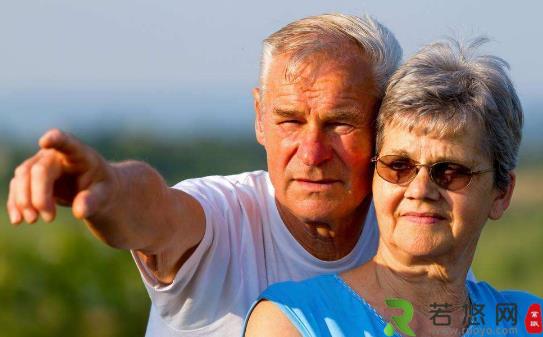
(426, 218)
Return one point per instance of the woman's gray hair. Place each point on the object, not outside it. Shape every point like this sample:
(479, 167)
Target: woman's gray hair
(445, 89)
(330, 33)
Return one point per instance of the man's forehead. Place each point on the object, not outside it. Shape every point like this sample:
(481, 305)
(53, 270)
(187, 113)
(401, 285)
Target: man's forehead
(350, 63)
(328, 81)
(328, 104)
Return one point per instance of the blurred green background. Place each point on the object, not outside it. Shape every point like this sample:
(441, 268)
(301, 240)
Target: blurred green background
(58, 280)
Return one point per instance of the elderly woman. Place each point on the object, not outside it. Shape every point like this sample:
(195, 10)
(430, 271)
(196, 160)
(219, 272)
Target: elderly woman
(448, 135)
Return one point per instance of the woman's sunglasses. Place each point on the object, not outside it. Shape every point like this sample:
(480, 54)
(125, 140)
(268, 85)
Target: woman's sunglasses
(402, 170)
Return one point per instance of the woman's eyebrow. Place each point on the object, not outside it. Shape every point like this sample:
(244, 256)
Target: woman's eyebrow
(456, 160)
(398, 152)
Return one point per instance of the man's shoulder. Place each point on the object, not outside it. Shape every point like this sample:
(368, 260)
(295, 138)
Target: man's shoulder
(249, 179)
(247, 191)
(252, 178)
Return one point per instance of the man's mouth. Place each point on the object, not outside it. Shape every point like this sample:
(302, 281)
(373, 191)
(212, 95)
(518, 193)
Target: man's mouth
(320, 184)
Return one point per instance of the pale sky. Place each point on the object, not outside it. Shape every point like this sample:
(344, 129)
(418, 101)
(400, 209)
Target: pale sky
(179, 65)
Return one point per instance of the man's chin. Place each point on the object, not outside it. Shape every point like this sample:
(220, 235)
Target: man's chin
(317, 207)
(314, 211)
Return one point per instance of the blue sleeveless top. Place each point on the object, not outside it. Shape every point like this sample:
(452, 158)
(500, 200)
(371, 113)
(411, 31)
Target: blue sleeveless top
(325, 306)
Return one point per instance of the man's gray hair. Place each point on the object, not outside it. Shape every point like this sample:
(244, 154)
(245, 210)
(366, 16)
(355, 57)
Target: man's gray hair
(446, 88)
(330, 33)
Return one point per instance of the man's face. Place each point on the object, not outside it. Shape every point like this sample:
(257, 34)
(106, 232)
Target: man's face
(318, 135)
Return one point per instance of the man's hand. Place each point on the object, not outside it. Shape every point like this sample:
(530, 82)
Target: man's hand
(63, 171)
(127, 205)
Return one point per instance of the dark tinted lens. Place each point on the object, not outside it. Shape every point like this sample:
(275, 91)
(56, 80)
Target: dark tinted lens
(396, 169)
(450, 176)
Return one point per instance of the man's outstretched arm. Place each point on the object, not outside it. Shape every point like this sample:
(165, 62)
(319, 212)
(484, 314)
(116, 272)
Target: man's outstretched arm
(127, 205)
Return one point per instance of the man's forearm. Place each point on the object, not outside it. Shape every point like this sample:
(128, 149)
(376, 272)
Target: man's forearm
(162, 224)
(135, 216)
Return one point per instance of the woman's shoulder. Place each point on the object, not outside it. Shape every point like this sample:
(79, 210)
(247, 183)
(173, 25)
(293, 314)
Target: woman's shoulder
(268, 319)
(506, 306)
(284, 307)
(299, 294)
(298, 290)
(512, 312)
(322, 303)
(483, 290)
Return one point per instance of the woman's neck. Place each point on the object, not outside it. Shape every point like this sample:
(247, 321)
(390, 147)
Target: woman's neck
(430, 285)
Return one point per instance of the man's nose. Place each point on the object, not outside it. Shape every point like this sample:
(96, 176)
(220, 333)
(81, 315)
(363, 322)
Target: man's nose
(422, 187)
(315, 147)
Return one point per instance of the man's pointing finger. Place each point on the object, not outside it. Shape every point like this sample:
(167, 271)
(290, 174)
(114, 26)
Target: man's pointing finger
(65, 143)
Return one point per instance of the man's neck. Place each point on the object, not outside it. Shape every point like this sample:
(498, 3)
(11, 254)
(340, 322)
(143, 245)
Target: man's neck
(327, 240)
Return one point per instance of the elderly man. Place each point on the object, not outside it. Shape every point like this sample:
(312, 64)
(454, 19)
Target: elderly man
(207, 247)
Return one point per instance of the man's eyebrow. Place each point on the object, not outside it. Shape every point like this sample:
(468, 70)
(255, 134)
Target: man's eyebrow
(344, 115)
(286, 113)
(347, 116)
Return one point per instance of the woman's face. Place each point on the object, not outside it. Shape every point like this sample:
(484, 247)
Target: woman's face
(421, 219)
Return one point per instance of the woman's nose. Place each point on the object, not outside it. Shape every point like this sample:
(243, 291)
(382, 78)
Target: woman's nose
(422, 187)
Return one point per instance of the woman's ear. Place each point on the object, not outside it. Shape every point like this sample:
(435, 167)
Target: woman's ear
(503, 199)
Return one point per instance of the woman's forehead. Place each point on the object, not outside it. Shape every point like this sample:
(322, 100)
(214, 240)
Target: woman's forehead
(419, 144)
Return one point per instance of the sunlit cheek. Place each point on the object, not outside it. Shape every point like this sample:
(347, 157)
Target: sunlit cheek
(289, 146)
(468, 218)
(470, 208)
(356, 153)
(360, 140)
(287, 165)
(387, 198)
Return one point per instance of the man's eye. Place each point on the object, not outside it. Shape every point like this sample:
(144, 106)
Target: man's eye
(342, 127)
(290, 125)
(291, 121)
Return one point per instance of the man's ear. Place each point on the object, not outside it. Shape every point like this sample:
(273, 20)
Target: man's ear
(259, 126)
(503, 199)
